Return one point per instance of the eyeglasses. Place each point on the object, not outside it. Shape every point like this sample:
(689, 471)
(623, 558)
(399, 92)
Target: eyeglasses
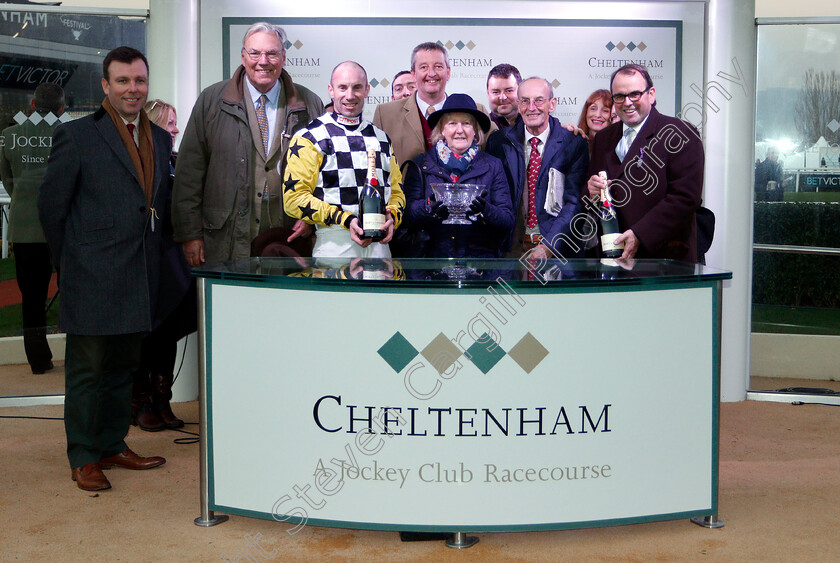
(634, 96)
(539, 102)
(272, 56)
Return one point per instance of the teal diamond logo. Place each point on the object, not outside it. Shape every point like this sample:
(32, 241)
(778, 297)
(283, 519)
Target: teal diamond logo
(631, 46)
(398, 352)
(374, 83)
(485, 353)
(610, 46)
(460, 45)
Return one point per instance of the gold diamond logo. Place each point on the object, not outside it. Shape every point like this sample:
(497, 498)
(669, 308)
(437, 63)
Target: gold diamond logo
(470, 45)
(449, 45)
(441, 353)
(528, 352)
(297, 44)
(555, 83)
(621, 46)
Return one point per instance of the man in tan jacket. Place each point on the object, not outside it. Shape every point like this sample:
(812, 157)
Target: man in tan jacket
(405, 120)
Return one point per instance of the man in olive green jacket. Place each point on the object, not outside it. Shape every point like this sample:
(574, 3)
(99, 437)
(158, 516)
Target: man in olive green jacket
(24, 150)
(228, 178)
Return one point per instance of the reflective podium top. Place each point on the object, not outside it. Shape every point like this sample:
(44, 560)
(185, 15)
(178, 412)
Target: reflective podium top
(417, 272)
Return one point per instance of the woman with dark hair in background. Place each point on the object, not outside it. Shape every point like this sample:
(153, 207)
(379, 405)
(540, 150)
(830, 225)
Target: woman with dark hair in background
(174, 315)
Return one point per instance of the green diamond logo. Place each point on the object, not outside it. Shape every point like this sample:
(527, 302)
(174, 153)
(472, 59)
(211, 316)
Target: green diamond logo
(398, 352)
(485, 353)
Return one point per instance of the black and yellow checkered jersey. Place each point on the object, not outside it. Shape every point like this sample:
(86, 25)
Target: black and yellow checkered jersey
(326, 169)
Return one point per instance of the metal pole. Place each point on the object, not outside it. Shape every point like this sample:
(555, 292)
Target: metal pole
(460, 540)
(207, 517)
(712, 521)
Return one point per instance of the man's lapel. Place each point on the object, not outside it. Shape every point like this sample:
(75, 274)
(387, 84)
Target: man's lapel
(256, 137)
(279, 124)
(108, 130)
(411, 114)
(553, 145)
(642, 140)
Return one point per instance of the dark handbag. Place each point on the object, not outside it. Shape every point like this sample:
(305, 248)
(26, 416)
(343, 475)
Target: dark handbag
(705, 231)
(409, 242)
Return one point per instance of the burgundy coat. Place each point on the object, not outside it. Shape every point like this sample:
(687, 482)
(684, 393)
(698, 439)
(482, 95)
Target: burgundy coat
(658, 187)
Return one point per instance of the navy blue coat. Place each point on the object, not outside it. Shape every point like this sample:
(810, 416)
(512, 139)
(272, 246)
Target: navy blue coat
(483, 239)
(99, 229)
(564, 152)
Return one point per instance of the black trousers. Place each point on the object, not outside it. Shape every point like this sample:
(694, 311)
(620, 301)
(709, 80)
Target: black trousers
(97, 395)
(160, 346)
(33, 271)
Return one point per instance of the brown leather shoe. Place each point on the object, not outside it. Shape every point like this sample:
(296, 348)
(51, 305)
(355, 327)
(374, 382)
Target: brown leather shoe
(90, 477)
(130, 460)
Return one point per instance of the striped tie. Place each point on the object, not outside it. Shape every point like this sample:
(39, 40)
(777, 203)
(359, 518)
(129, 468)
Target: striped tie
(262, 121)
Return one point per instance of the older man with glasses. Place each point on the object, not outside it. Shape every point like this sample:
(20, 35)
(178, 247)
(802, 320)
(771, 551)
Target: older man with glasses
(228, 180)
(654, 164)
(545, 165)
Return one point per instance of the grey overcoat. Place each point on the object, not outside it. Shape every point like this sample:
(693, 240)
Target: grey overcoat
(100, 228)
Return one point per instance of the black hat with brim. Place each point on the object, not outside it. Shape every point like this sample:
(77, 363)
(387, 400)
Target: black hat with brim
(461, 103)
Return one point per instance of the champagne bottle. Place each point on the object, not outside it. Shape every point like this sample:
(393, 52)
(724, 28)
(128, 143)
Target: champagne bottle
(609, 223)
(371, 204)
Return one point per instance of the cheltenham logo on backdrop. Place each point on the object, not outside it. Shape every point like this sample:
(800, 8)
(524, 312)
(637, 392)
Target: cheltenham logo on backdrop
(442, 353)
(629, 46)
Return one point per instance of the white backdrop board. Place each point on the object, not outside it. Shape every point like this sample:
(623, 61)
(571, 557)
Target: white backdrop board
(544, 425)
(578, 56)
(576, 44)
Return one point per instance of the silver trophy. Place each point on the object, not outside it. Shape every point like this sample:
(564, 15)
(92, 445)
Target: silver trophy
(457, 199)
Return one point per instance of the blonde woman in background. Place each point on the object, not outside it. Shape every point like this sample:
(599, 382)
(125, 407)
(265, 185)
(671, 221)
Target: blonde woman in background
(174, 315)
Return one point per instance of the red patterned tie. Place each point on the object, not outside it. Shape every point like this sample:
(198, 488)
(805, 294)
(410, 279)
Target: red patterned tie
(130, 127)
(534, 163)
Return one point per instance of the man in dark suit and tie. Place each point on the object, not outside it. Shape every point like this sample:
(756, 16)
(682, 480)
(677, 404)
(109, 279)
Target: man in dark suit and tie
(655, 166)
(99, 206)
(546, 168)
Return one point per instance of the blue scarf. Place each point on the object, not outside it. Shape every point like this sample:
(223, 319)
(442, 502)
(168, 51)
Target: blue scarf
(455, 164)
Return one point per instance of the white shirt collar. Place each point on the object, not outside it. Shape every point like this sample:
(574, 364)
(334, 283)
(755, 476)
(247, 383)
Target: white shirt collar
(135, 121)
(635, 128)
(272, 94)
(543, 137)
(424, 106)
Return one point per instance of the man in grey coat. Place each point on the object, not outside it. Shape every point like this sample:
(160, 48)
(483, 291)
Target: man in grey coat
(99, 207)
(228, 179)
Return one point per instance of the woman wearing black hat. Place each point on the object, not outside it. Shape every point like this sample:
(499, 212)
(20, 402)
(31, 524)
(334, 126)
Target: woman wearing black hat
(458, 128)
